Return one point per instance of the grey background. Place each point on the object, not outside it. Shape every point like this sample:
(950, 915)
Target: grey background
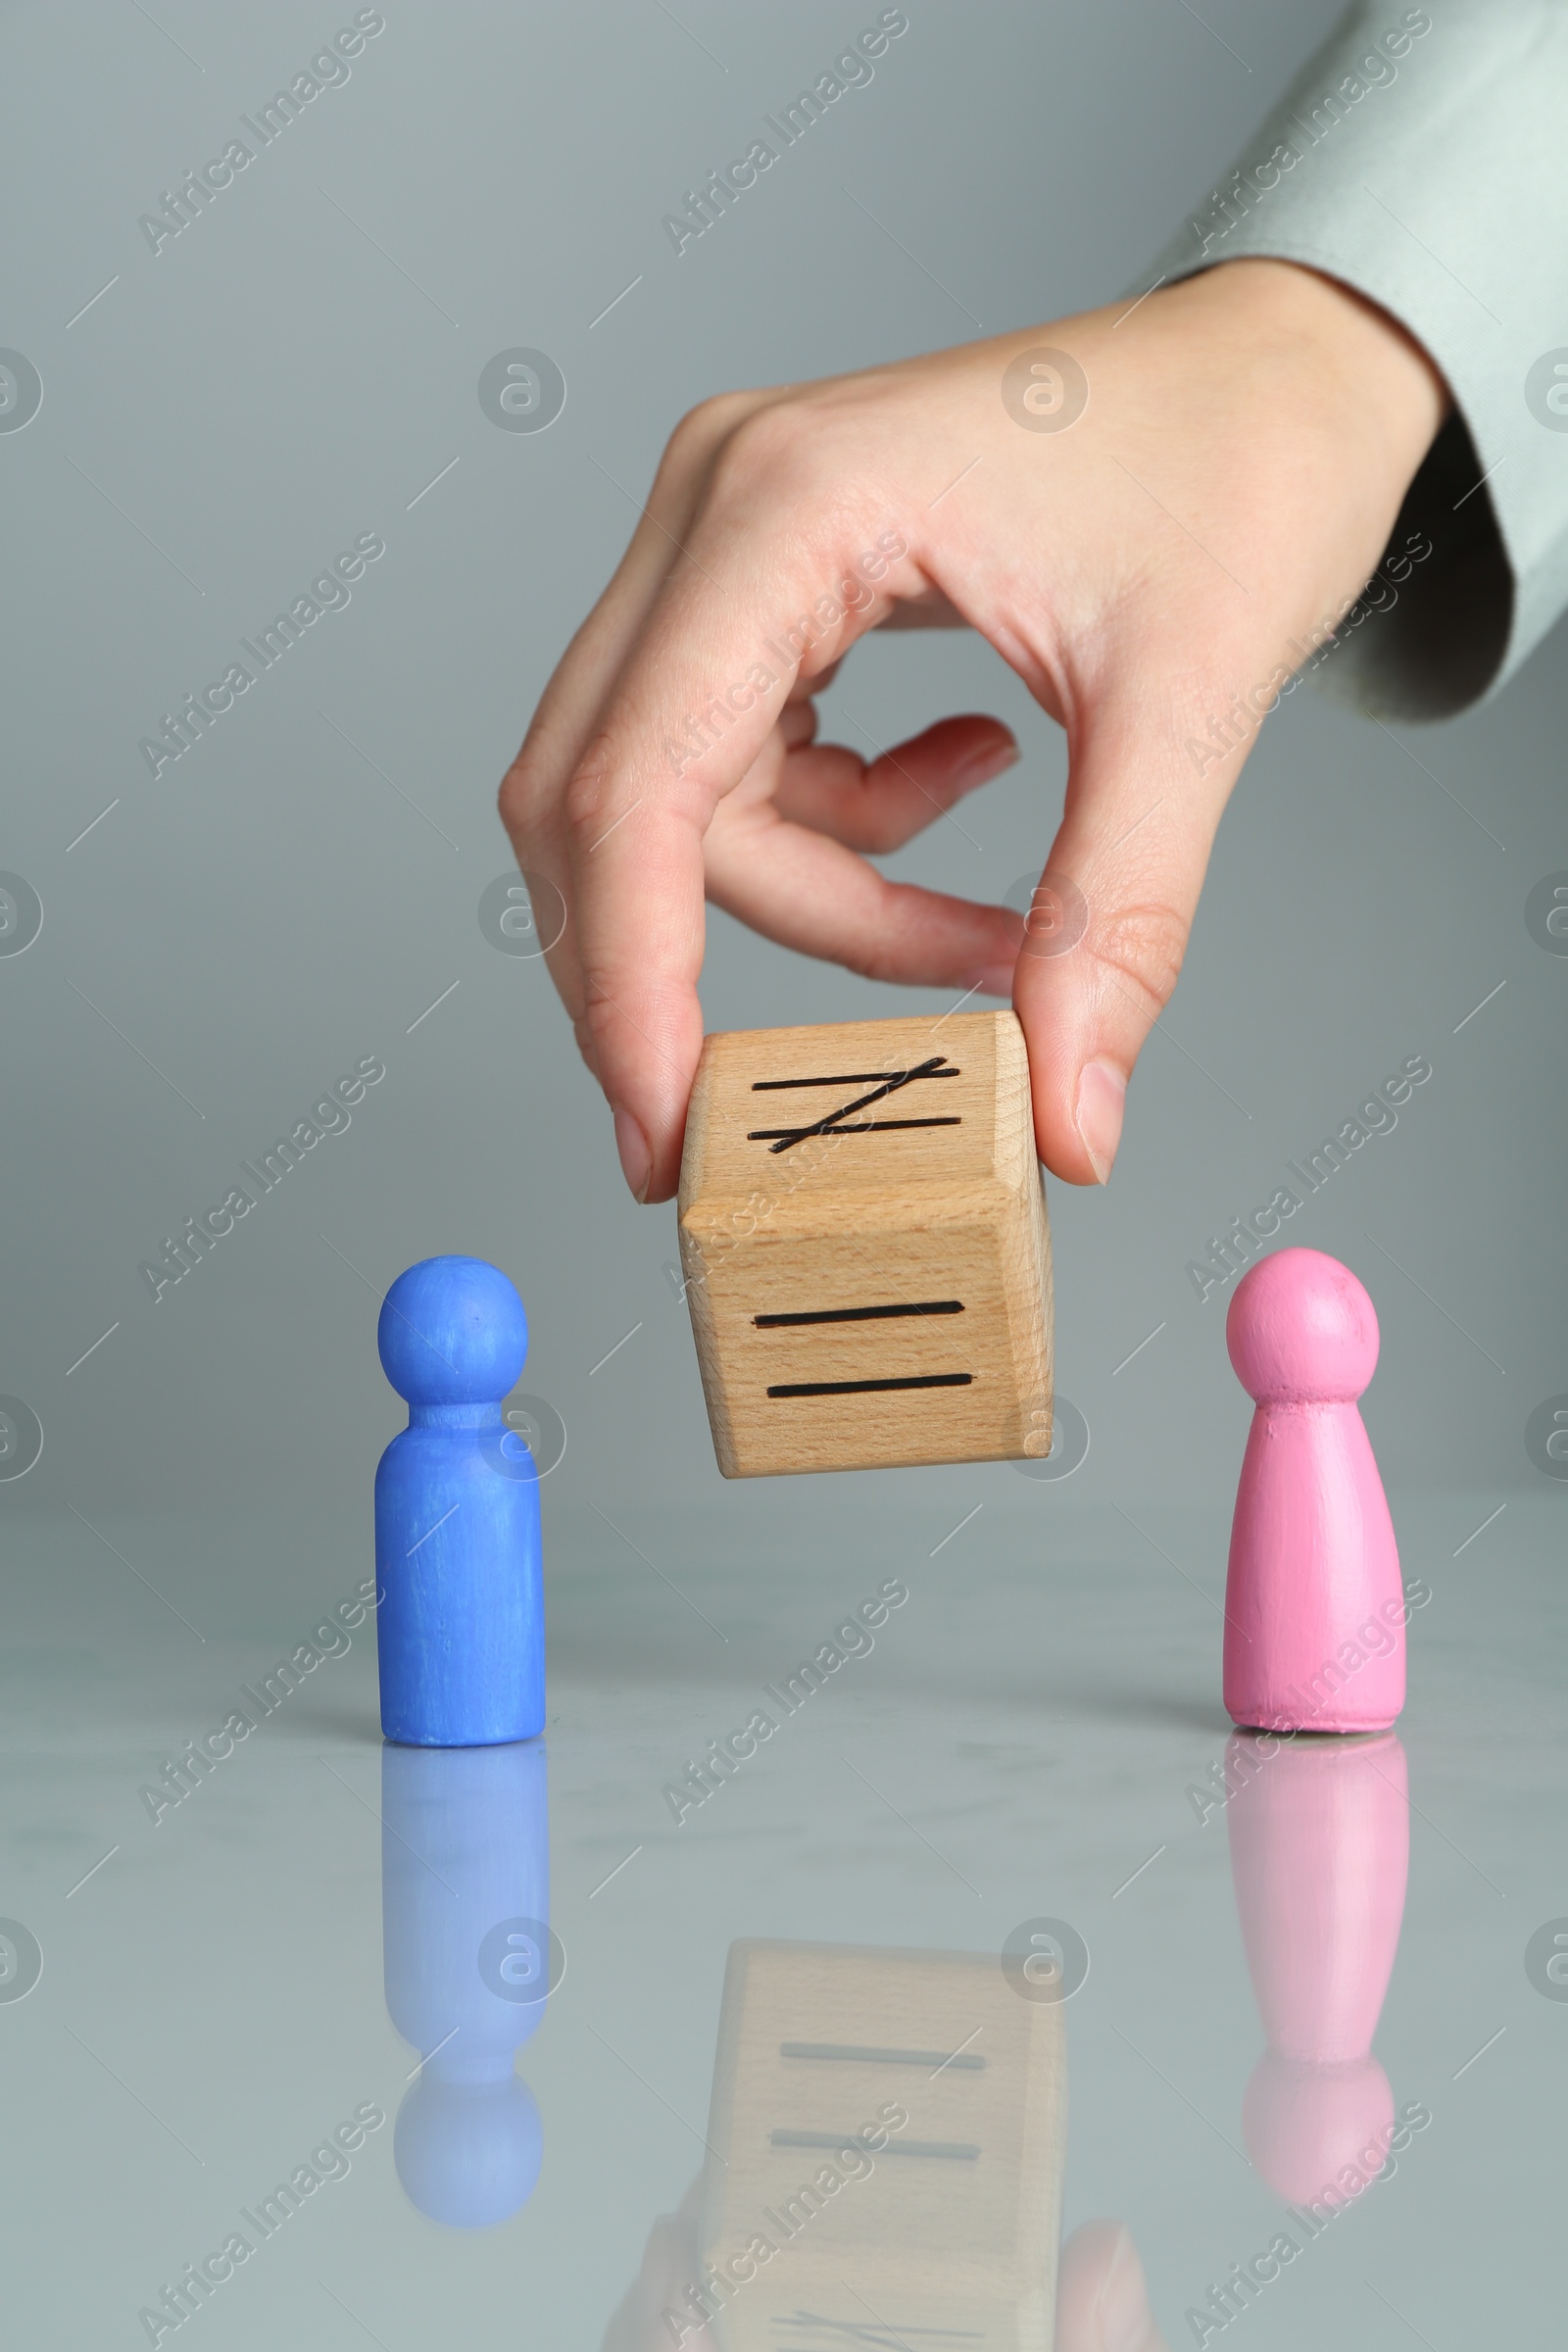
(271, 910)
(277, 379)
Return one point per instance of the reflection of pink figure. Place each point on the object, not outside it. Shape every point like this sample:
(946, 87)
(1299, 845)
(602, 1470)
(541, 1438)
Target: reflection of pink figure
(1315, 1633)
(1320, 1838)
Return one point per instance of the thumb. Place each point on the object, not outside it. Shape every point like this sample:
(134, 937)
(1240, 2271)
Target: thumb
(1104, 938)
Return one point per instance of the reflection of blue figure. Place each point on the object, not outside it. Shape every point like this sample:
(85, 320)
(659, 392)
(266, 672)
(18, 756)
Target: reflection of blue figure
(460, 1629)
(465, 1901)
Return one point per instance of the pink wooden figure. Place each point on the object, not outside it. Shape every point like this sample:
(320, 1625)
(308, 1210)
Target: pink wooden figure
(1320, 1845)
(1314, 1606)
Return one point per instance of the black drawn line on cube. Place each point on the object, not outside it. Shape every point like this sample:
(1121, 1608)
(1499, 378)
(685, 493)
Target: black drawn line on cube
(860, 1314)
(956, 2057)
(962, 2151)
(851, 2054)
(792, 1135)
(768, 1086)
(830, 1125)
(866, 1388)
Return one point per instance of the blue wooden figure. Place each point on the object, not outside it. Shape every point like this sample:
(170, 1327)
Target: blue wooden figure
(470, 1959)
(460, 1625)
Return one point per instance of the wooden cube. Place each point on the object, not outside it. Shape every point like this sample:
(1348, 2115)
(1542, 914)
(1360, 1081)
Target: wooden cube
(939, 2228)
(863, 1237)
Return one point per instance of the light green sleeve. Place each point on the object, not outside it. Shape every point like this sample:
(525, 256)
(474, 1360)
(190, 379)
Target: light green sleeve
(1421, 156)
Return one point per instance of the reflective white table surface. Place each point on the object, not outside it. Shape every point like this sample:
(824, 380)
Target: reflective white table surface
(756, 1992)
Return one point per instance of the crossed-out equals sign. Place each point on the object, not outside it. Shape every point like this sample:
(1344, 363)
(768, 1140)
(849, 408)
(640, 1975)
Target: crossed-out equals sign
(887, 1082)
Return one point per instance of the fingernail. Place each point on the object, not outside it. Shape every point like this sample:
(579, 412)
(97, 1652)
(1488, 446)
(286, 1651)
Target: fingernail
(1101, 1101)
(636, 1158)
(986, 764)
(1122, 2309)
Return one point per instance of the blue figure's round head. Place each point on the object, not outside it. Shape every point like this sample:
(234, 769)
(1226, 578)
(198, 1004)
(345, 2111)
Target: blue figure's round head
(453, 1330)
(467, 2153)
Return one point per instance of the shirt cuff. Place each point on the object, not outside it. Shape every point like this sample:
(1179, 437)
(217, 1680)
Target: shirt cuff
(1417, 157)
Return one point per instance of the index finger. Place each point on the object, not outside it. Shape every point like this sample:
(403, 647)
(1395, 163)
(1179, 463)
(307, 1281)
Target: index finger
(691, 711)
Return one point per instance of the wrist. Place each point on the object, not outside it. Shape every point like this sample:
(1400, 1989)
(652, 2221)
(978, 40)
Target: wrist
(1383, 377)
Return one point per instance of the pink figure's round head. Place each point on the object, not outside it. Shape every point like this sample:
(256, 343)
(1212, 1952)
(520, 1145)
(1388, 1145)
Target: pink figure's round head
(1301, 1327)
(1305, 2124)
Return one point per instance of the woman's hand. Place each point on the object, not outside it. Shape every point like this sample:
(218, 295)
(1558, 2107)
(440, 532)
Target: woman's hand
(1247, 441)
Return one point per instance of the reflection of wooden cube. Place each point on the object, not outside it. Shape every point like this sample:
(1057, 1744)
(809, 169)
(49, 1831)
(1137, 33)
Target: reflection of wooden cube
(863, 1236)
(950, 2234)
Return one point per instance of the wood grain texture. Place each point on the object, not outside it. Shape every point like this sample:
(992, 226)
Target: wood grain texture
(952, 2223)
(906, 1243)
